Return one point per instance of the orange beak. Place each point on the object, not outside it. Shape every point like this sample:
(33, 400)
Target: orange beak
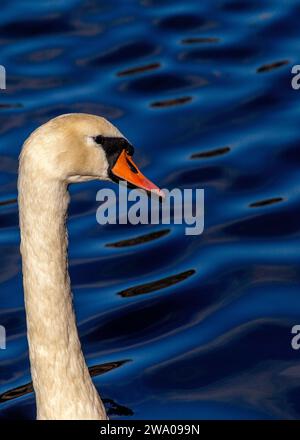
(125, 169)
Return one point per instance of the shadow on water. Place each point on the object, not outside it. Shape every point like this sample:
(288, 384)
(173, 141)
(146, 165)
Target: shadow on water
(266, 202)
(139, 69)
(171, 102)
(139, 240)
(210, 153)
(271, 66)
(194, 40)
(8, 202)
(112, 408)
(156, 285)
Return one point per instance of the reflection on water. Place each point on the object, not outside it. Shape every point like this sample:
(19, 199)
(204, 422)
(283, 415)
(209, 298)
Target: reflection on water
(138, 69)
(171, 102)
(113, 408)
(156, 285)
(210, 153)
(202, 89)
(139, 240)
(266, 202)
(194, 40)
(268, 67)
(8, 202)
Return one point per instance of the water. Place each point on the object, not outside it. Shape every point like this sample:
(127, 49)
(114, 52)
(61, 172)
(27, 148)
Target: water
(172, 326)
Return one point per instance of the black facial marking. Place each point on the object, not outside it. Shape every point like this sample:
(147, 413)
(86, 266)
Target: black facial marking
(113, 147)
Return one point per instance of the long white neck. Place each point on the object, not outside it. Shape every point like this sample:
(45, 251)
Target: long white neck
(61, 380)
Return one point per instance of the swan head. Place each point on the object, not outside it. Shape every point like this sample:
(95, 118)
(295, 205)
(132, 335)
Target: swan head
(80, 147)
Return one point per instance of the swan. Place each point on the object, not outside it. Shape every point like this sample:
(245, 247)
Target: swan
(67, 149)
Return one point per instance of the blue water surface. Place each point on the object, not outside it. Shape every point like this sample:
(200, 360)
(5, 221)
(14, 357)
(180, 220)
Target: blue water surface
(172, 326)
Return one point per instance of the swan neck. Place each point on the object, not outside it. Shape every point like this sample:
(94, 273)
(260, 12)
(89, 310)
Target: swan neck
(61, 380)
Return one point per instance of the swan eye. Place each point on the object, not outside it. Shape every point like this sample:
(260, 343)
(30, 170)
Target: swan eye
(99, 139)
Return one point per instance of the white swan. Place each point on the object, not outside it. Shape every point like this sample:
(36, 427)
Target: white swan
(70, 148)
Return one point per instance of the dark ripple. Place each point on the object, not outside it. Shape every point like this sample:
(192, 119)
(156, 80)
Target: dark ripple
(139, 69)
(171, 102)
(210, 153)
(95, 370)
(201, 40)
(139, 240)
(271, 66)
(156, 285)
(16, 392)
(266, 202)
(8, 202)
